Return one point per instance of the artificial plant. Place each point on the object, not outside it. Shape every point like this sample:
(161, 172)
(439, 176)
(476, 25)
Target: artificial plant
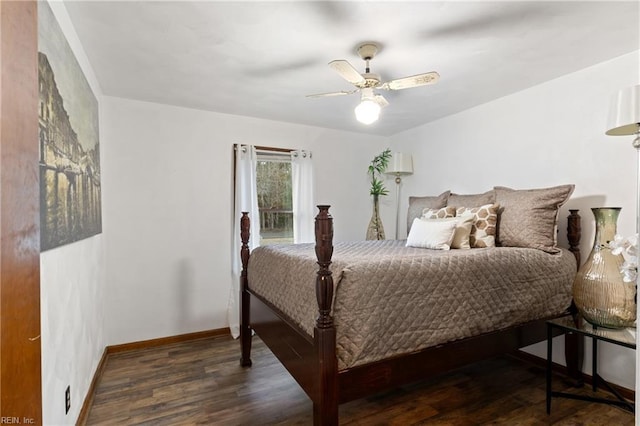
(377, 167)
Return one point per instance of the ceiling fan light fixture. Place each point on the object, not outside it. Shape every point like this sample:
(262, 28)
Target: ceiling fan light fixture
(367, 111)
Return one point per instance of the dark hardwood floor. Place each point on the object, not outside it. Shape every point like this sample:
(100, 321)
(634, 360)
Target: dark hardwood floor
(201, 382)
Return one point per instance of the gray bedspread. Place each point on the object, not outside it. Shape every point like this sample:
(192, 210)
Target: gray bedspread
(390, 299)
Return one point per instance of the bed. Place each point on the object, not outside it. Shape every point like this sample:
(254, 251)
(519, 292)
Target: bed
(354, 319)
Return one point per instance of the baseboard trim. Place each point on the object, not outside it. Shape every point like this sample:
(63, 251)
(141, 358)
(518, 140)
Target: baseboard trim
(628, 394)
(133, 346)
(161, 341)
(88, 399)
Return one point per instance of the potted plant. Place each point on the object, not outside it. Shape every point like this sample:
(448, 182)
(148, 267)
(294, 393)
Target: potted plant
(378, 165)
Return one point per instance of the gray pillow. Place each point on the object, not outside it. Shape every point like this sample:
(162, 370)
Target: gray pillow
(472, 200)
(418, 204)
(529, 217)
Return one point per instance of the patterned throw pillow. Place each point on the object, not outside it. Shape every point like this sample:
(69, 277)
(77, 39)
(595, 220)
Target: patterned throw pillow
(442, 213)
(483, 230)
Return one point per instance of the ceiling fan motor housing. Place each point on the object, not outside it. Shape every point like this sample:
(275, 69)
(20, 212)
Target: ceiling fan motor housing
(370, 79)
(367, 51)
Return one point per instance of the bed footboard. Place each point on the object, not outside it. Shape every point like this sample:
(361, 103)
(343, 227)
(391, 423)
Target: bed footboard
(314, 363)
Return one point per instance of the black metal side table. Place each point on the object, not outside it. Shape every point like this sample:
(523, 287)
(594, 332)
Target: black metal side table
(623, 337)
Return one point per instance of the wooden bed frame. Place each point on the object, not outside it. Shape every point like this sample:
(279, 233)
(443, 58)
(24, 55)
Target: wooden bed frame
(313, 363)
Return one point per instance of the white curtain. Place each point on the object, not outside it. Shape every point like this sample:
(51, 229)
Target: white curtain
(304, 209)
(246, 200)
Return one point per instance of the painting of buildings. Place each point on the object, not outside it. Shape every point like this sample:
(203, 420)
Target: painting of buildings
(70, 193)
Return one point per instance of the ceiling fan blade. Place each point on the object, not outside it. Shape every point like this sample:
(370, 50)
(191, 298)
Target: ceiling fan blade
(323, 95)
(347, 71)
(413, 81)
(380, 100)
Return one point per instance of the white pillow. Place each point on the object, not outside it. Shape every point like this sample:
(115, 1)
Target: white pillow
(464, 226)
(432, 233)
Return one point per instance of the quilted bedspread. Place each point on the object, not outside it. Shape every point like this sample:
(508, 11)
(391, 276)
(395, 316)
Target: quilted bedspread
(390, 299)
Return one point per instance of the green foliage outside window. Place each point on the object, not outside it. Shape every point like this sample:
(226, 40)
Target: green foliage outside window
(274, 187)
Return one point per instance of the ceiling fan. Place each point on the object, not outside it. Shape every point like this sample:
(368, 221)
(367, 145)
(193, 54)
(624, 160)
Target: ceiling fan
(371, 103)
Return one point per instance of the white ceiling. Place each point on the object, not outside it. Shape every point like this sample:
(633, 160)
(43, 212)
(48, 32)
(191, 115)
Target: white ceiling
(260, 59)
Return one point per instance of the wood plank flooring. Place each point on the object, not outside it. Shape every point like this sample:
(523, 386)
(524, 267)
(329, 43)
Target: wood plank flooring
(201, 382)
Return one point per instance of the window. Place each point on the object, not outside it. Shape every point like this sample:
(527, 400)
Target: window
(274, 187)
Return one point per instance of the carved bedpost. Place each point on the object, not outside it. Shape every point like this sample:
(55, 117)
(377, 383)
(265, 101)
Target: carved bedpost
(324, 279)
(573, 342)
(574, 233)
(245, 324)
(325, 404)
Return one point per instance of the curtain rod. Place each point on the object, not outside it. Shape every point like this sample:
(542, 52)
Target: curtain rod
(268, 150)
(283, 154)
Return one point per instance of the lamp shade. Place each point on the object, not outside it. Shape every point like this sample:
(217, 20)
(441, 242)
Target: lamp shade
(624, 115)
(400, 164)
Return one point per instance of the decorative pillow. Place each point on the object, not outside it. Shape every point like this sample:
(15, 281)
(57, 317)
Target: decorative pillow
(443, 213)
(529, 217)
(463, 232)
(432, 234)
(483, 230)
(458, 200)
(418, 204)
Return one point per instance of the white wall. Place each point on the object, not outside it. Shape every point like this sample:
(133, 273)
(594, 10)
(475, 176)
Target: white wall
(547, 135)
(162, 265)
(168, 208)
(72, 283)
